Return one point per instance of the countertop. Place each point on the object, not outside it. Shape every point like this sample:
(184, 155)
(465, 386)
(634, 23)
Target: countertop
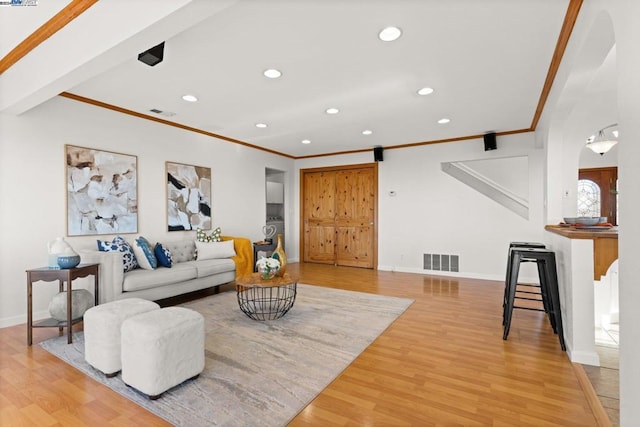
(574, 233)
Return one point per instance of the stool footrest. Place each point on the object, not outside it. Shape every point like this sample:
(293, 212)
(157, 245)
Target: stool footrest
(529, 308)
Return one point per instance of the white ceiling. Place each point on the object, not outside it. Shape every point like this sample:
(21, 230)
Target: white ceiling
(487, 61)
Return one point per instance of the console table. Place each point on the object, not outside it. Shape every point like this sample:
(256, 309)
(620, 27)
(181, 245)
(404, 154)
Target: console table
(47, 274)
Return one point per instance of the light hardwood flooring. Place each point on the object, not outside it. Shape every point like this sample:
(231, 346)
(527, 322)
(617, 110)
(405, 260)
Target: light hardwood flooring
(443, 362)
(605, 380)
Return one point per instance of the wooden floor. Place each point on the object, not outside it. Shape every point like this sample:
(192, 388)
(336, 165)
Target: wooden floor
(443, 362)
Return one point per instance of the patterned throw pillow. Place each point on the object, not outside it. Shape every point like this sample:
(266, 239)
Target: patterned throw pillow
(215, 236)
(163, 255)
(120, 245)
(144, 254)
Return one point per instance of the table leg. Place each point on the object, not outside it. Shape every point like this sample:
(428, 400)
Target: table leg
(69, 307)
(96, 286)
(29, 311)
(60, 289)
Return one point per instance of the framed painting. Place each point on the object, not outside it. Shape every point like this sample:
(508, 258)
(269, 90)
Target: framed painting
(188, 197)
(102, 195)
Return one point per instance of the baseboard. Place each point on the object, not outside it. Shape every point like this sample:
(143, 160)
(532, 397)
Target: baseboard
(5, 322)
(602, 419)
(590, 358)
(465, 275)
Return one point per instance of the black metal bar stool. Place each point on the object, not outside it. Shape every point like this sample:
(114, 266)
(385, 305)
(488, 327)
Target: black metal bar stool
(531, 291)
(546, 261)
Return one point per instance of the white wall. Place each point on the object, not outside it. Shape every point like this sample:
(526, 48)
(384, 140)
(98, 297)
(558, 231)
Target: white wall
(32, 185)
(601, 23)
(625, 14)
(434, 213)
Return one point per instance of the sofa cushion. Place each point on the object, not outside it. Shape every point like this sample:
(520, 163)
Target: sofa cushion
(214, 236)
(144, 254)
(215, 250)
(182, 250)
(145, 279)
(213, 266)
(163, 255)
(119, 244)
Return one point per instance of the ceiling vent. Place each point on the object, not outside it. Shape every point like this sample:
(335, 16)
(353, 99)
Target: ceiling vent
(162, 113)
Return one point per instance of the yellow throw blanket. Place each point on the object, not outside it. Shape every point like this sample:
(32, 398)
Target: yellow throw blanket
(244, 255)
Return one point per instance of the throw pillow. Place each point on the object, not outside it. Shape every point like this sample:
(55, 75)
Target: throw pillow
(163, 255)
(144, 254)
(118, 244)
(215, 250)
(214, 236)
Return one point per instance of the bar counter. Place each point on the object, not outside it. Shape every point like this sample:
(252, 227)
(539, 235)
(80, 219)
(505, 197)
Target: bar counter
(583, 258)
(605, 245)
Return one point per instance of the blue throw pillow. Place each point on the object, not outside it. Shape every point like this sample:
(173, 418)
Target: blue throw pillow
(120, 245)
(163, 255)
(144, 254)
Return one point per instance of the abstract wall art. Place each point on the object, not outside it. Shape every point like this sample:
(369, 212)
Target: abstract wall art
(188, 197)
(102, 196)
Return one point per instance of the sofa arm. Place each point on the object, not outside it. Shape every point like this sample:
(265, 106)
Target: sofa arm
(244, 254)
(111, 273)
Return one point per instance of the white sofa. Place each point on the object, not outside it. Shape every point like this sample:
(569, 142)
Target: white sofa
(186, 274)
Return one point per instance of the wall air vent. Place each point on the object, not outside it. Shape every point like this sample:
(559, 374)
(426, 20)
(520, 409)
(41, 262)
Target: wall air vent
(441, 262)
(162, 113)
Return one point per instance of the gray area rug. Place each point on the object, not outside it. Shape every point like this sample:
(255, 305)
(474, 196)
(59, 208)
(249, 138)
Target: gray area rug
(261, 373)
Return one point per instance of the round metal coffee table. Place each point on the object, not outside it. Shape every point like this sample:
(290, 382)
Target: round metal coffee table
(262, 299)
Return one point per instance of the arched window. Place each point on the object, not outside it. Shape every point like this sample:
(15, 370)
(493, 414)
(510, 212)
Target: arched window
(588, 198)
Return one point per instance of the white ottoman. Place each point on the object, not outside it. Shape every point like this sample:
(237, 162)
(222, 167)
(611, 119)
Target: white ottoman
(161, 349)
(102, 331)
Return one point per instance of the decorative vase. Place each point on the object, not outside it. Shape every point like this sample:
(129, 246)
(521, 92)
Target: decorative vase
(56, 248)
(281, 256)
(61, 254)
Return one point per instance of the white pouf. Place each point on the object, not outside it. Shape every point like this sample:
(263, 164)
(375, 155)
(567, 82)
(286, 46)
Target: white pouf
(102, 325)
(161, 349)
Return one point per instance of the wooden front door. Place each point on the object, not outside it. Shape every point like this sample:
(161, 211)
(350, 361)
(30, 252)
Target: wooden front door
(607, 180)
(339, 215)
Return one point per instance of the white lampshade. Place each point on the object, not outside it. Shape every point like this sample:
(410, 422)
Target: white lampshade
(600, 144)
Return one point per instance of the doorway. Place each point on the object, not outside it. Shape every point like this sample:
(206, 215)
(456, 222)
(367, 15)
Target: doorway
(275, 204)
(339, 215)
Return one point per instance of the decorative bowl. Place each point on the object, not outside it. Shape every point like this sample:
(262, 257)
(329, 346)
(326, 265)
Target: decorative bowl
(570, 220)
(68, 261)
(267, 273)
(587, 220)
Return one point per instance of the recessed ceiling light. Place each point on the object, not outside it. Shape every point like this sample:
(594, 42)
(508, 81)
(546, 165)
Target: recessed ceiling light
(306, 141)
(189, 98)
(332, 110)
(261, 125)
(444, 120)
(425, 91)
(272, 73)
(367, 132)
(389, 34)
